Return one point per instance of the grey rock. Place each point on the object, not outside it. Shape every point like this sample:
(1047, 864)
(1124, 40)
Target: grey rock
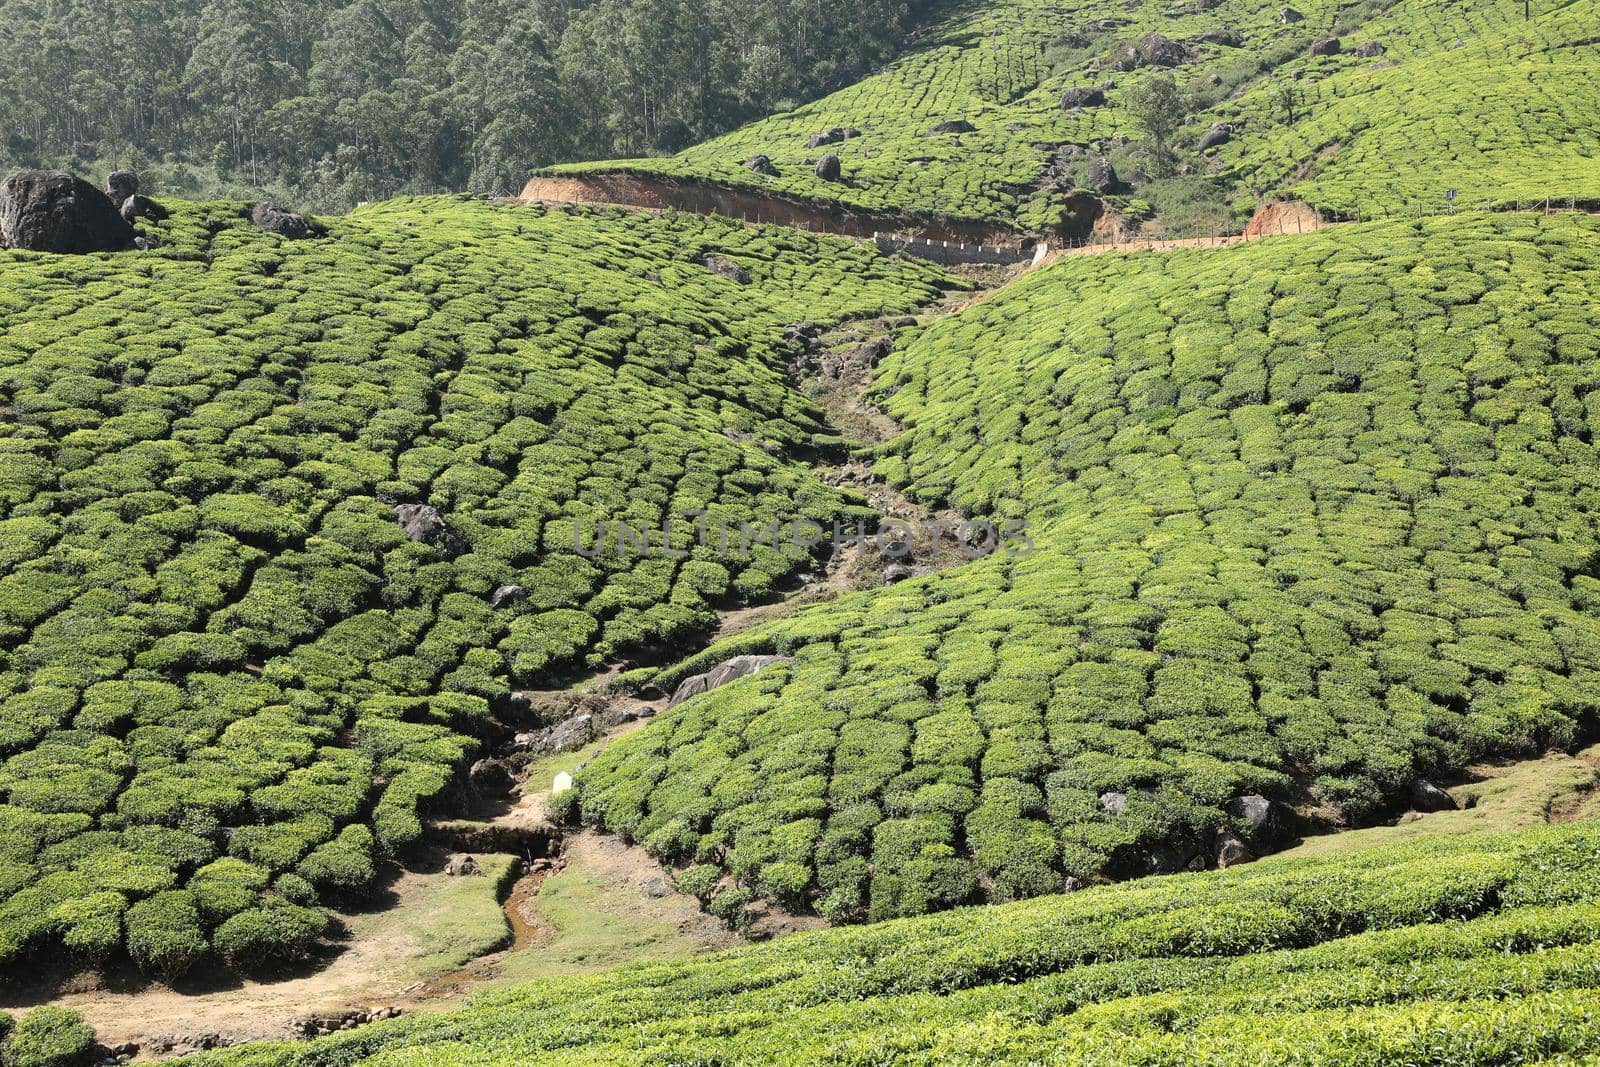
(1256, 812)
(1174, 857)
(1151, 50)
(1231, 850)
(1102, 177)
(137, 207)
(1325, 46)
(896, 572)
(491, 776)
(1082, 96)
(423, 523)
(720, 675)
(728, 268)
(569, 735)
(953, 126)
(1225, 38)
(507, 594)
(1218, 135)
(1289, 16)
(1113, 804)
(828, 168)
(1427, 797)
(1369, 49)
(273, 219)
(761, 165)
(459, 867)
(833, 136)
(120, 185)
(53, 211)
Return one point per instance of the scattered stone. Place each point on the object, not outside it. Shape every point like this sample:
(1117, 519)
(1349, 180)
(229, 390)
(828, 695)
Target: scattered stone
(728, 268)
(1224, 38)
(761, 165)
(507, 594)
(1429, 798)
(903, 321)
(828, 168)
(423, 524)
(1325, 46)
(833, 136)
(570, 735)
(720, 675)
(656, 888)
(954, 126)
(273, 219)
(1151, 50)
(491, 776)
(53, 211)
(120, 185)
(1113, 804)
(459, 867)
(1231, 850)
(1257, 813)
(896, 572)
(1369, 49)
(1082, 96)
(1218, 135)
(1289, 16)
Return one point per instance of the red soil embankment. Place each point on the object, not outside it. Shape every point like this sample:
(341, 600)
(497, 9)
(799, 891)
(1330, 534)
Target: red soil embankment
(1290, 216)
(704, 198)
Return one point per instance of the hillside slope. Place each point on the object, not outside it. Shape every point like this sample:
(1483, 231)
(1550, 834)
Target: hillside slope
(227, 666)
(1313, 518)
(1475, 949)
(1458, 95)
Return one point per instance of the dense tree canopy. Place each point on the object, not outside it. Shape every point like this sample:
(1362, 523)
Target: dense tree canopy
(378, 97)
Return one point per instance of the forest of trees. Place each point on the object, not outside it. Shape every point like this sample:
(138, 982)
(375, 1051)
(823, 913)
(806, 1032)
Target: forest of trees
(335, 104)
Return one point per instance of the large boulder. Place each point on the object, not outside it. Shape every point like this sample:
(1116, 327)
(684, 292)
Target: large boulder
(1225, 38)
(423, 524)
(273, 219)
(1325, 46)
(1369, 49)
(828, 168)
(1102, 177)
(53, 211)
(1218, 135)
(1082, 96)
(761, 164)
(954, 126)
(1289, 16)
(1257, 814)
(1427, 797)
(720, 675)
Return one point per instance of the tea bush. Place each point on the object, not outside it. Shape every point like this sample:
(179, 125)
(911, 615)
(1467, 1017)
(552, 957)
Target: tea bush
(1471, 949)
(1311, 519)
(230, 681)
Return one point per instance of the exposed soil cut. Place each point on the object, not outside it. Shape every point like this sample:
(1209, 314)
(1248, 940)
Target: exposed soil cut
(704, 198)
(1290, 216)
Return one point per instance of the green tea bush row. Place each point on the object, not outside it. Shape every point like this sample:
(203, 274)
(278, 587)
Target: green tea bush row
(231, 684)
(1313, 519)
(1458, 950)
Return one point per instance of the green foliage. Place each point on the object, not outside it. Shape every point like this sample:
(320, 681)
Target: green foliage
(1463, 949)
(274, 933)
(1311, 519)
(227, 675)
(47, 1037)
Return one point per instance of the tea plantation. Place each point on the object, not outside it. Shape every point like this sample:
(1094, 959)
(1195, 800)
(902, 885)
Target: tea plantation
(1465, 95)
(1477, 949)
(231, 681)
(1312, 518)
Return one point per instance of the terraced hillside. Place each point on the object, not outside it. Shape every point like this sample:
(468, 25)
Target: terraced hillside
(1477, 949)
(1422, 98)
(236, 663)
(1312, 519)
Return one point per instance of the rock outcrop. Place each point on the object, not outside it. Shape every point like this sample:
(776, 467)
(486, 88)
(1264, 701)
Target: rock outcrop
(53, 211)
(273, 219)
(720, 675)
(828, 168)
(1082, 96)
